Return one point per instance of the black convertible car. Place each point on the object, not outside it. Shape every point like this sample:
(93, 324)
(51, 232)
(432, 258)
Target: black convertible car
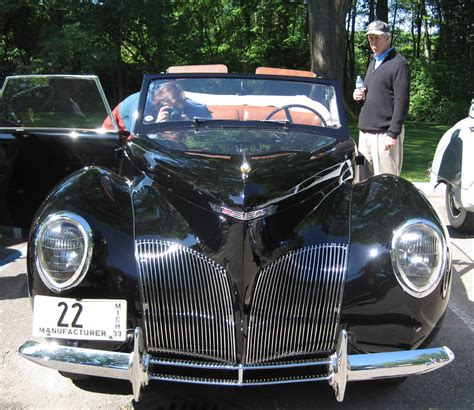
(214, 233)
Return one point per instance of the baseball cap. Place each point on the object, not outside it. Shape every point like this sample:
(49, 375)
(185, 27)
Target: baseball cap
(377, 27)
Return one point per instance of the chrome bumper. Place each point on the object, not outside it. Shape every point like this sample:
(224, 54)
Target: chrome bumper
(341, 367)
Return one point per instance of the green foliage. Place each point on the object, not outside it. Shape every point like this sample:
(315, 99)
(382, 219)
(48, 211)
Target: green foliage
(119, 40)
(433, 93)
(421, 140)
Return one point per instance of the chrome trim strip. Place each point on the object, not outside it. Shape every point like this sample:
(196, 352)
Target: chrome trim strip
(234, 367)
(236, 382)
(135, 366)
(245, 216)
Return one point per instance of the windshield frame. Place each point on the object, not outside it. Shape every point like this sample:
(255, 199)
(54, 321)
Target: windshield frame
(141, 129)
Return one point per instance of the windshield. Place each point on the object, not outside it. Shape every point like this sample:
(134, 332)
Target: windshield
(241, 99)
(53, 101)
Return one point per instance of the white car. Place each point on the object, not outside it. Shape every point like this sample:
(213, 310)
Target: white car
(453, 165)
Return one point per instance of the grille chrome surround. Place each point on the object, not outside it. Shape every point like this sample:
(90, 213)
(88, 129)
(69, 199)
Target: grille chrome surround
(296, 304)
(187, 302)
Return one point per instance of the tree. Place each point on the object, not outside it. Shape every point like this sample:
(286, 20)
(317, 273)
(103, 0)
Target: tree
(382, 10)
(328, 37)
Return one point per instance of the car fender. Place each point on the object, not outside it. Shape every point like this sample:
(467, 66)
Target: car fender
(102, 198)
(452, 163)
(373, 298)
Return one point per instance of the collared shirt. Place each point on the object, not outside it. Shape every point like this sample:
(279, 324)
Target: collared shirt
(379, 58)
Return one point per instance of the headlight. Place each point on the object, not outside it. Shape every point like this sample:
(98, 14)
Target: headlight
(63, 249)
(419, 255)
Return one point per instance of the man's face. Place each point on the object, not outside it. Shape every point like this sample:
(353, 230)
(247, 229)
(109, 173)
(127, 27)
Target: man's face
(176, 101)
(378, 44)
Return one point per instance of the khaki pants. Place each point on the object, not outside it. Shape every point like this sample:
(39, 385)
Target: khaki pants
(377, 159)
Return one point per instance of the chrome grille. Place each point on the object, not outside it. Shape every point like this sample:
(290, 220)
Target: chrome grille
(296, 304)
(187, 301)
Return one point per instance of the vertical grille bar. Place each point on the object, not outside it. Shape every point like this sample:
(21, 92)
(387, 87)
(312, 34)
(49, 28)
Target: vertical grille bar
(296, 304)
(187, 302)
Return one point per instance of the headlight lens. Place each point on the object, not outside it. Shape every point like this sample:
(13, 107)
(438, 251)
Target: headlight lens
(63, 248)
(419, 255)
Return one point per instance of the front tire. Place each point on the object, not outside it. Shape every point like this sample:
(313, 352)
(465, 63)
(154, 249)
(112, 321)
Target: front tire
(459, 218)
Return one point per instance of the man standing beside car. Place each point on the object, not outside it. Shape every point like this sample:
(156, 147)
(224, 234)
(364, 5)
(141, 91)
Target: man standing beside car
(385, 100)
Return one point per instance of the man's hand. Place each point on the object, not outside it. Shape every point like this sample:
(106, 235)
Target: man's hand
(389, 142)
(164, 113)
(359, 94)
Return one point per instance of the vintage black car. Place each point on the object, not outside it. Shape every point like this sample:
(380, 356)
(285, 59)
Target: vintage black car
(221, 238)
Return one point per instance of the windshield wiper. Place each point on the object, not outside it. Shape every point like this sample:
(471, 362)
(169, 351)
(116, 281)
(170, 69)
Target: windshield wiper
(199, 121)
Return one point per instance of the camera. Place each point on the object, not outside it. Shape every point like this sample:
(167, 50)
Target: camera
(175, 114)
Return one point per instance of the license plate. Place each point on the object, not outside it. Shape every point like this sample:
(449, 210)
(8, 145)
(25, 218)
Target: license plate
(86, 319)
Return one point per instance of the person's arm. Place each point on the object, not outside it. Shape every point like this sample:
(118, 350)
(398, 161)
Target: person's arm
(108, 124)
(194, 109)
(122, 114)
(401, 99)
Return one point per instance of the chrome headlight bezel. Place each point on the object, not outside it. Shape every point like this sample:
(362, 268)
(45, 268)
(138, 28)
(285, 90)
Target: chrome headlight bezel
(80, 272)
(438, 272)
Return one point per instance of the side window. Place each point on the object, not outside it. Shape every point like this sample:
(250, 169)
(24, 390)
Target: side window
(52, 102)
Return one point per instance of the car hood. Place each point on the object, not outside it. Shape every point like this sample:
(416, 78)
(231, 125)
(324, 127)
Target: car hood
(245, 180)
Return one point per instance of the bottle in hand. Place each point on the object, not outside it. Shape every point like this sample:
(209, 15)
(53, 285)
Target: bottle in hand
(360, 86)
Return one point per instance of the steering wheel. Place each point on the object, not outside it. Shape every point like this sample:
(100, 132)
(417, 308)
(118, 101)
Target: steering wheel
(287, 107)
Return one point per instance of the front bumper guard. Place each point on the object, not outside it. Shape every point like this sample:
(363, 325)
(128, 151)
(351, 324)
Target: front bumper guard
(341, 367)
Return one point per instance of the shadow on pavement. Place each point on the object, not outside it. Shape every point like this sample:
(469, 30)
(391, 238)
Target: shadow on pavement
(13, 287)
(8, 255)
(454, 234)
(105, 386)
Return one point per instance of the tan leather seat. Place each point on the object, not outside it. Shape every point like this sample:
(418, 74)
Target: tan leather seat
(257, 113)
(224, 112)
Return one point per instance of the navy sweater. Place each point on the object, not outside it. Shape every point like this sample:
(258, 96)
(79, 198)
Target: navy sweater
(385, 107)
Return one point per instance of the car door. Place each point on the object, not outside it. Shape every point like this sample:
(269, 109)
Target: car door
(50, 126)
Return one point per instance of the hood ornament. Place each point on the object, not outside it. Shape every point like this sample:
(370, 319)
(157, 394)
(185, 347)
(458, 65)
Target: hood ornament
(245, 169)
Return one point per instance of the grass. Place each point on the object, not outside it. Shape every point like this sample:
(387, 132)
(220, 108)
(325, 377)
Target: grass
(421, 140)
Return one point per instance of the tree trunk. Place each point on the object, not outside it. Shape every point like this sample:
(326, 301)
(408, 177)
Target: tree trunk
(349, 66)
(394, 21)
(420, 13)
(372, 10)
(328, 37)
(427, 38)
(382, 10)
(351, 40)
(412, 30)
(368, 52)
